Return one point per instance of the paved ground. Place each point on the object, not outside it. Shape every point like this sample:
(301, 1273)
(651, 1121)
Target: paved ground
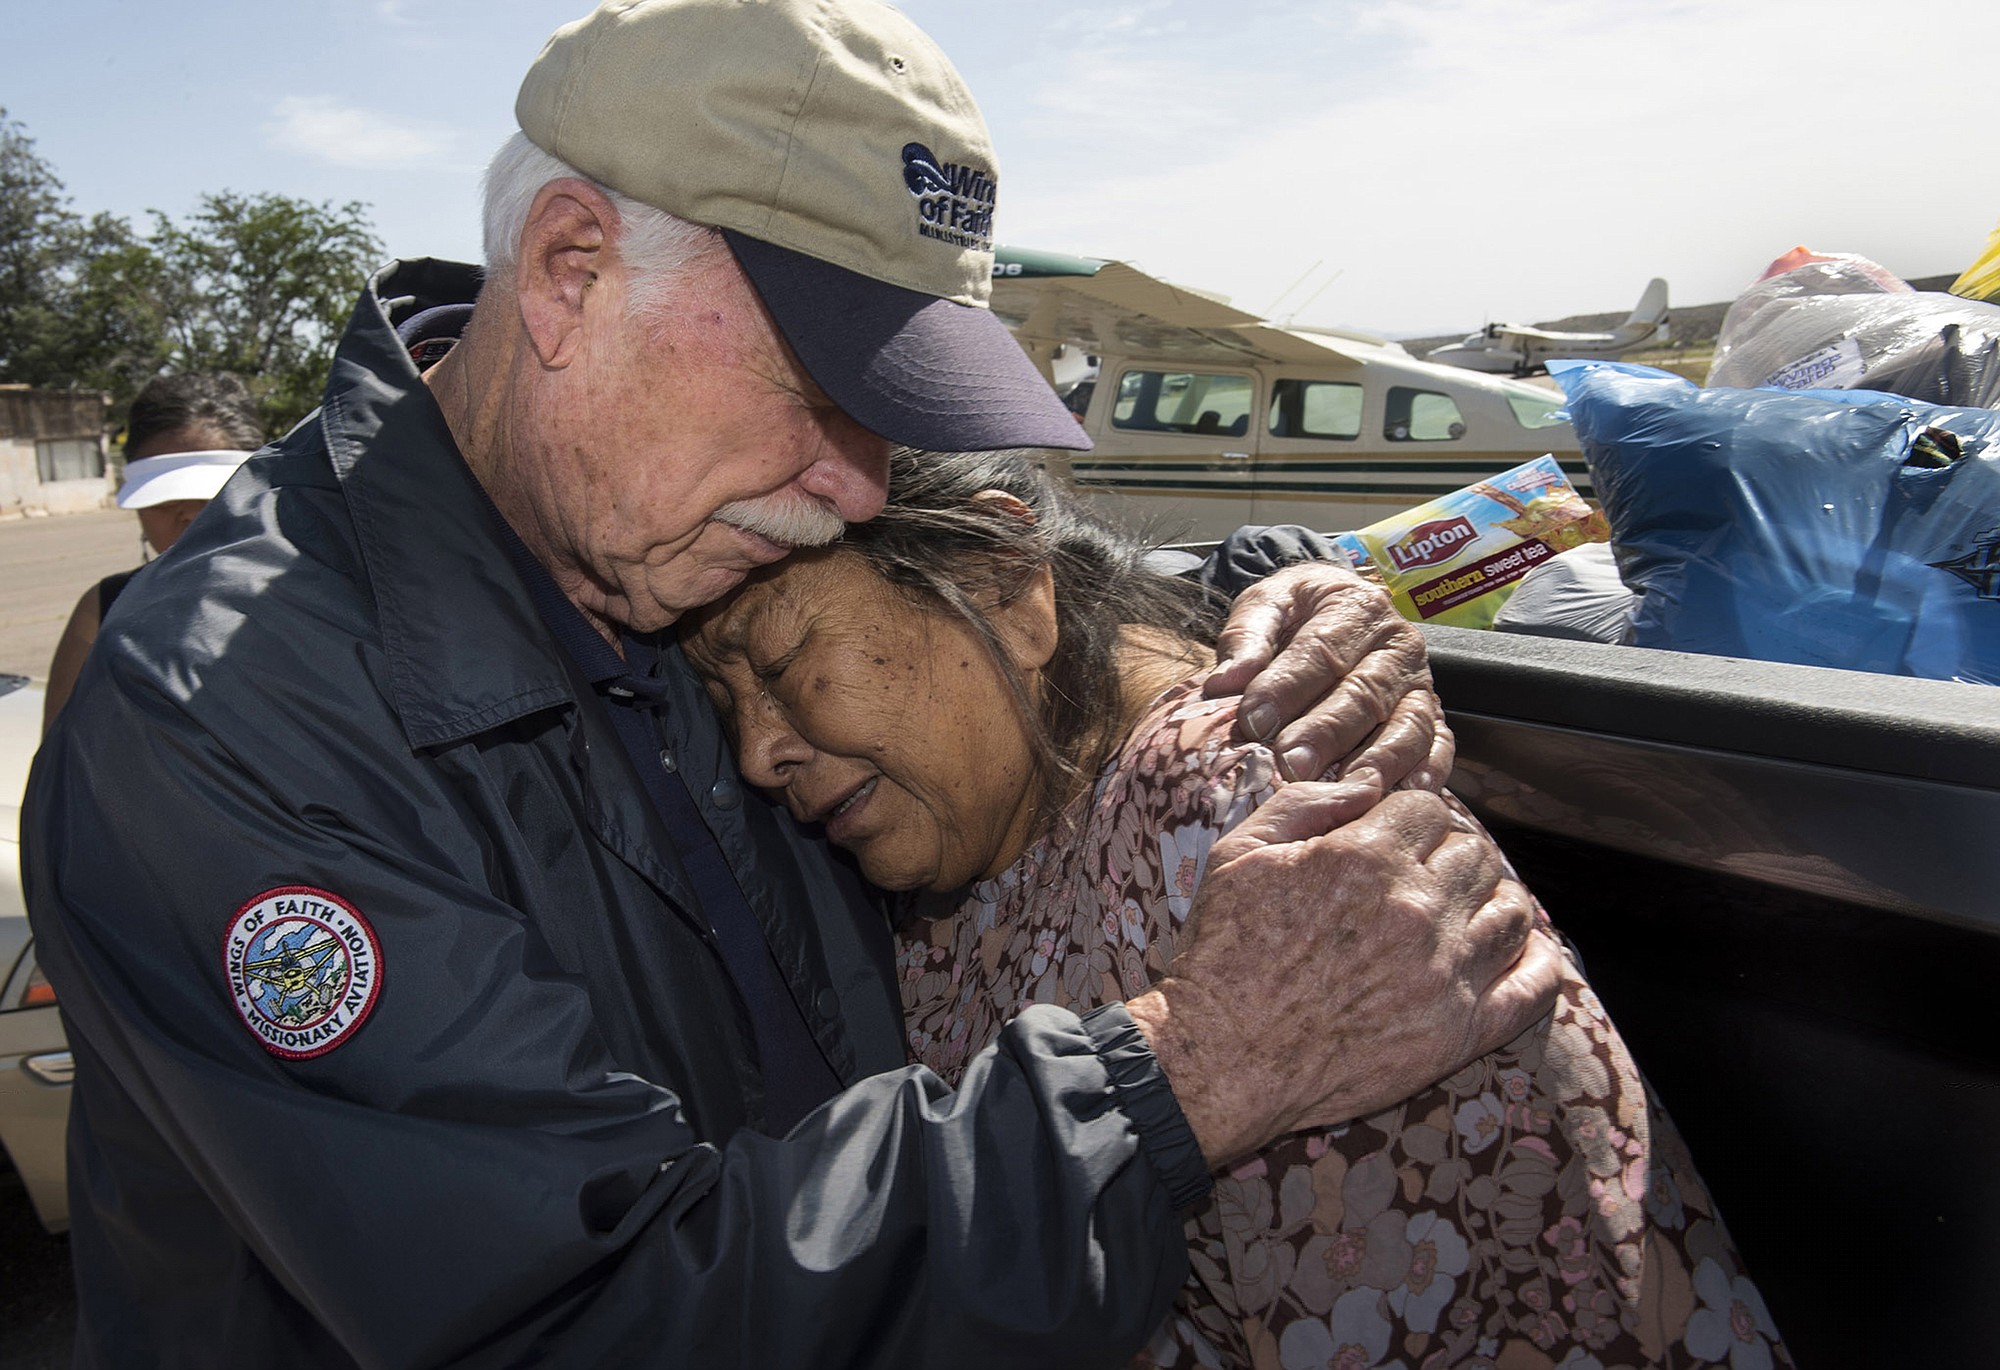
(37, 1305)
(45, 563)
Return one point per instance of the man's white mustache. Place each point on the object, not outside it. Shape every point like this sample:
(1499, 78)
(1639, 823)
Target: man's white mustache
(787, 520)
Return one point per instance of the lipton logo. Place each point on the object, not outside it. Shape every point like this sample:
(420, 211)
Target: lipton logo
(954, 200)
(1430, 544)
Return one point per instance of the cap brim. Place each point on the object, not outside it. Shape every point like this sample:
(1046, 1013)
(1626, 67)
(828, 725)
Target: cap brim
(925, 372)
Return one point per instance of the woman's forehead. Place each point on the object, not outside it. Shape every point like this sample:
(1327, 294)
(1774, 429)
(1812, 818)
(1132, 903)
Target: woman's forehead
(794, 590)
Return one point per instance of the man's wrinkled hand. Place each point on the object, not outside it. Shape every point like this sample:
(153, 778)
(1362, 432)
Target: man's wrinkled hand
(1327, 666)
(1333, 973)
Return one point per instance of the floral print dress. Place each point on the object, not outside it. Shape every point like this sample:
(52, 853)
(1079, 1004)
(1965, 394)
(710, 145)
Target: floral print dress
(1535, 1211)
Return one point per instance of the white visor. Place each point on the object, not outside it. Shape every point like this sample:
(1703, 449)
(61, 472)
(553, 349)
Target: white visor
(178, 475)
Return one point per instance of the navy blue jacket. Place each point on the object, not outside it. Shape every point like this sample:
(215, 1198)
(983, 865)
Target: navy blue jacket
(402, 1041)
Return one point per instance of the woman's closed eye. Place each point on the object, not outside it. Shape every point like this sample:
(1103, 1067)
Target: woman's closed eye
(769, 669)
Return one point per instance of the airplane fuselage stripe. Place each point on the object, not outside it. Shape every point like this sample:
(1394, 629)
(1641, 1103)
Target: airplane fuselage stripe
(1499, 463)
(1425, 478)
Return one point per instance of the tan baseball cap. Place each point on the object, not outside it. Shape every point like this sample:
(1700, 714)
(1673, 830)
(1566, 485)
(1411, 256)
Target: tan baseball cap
(852, 173)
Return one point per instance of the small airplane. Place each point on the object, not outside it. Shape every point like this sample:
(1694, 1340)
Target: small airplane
(1518, 350)
(303, 978)
(1206, 417)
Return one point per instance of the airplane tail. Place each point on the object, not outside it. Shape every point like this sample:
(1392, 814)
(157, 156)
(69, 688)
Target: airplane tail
(1648, 317)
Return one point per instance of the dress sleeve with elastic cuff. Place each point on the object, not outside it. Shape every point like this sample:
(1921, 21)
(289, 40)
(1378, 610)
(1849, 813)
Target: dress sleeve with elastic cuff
(1145, 1097)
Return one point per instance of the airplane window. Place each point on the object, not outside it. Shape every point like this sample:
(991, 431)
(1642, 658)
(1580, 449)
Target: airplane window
(1535, 407)
(1138, 397)
(1315, 409)
(1421, 416)
(1184, 402)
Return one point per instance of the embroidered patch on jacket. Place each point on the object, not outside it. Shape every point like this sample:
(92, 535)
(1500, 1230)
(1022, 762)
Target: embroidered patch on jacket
(304, 968)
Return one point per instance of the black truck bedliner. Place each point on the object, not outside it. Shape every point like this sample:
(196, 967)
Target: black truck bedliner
(1782, 881)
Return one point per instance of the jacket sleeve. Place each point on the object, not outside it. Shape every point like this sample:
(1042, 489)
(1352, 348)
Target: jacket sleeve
(468, 1179)
(1254, 551)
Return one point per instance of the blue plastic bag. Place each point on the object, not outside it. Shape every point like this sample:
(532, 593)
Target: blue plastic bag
(1791, 525)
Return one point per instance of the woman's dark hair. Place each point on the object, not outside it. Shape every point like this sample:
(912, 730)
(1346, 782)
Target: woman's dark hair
(219, 403)
(950, 551)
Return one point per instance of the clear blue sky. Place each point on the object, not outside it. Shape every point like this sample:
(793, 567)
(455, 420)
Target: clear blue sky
(1414, 165)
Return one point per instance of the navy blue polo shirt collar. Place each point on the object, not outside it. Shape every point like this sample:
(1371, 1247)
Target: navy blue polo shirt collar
(631, 676)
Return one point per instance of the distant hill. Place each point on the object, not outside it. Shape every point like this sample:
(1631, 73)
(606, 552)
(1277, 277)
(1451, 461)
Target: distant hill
(1693, 326)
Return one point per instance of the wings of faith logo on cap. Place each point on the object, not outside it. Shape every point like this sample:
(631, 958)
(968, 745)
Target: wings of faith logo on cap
(954, 201)
(304, 969)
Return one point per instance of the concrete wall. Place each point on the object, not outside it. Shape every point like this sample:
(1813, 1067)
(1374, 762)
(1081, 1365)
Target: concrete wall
(31, 416)
(22, 491)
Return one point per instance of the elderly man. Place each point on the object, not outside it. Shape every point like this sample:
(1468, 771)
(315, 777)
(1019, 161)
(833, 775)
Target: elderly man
(439, 994)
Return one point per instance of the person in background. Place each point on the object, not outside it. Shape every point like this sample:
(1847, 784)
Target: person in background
(185, 437)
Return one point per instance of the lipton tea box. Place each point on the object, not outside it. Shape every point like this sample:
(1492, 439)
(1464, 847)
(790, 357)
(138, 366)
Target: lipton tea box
(1351, 546)
(1456, 559)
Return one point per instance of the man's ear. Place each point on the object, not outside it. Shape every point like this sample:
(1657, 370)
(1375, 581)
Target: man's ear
(1026, 623)
(561, 252)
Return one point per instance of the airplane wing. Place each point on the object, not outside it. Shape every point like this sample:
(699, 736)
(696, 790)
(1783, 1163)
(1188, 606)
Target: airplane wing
(1113, 307)
(312, 955)
(1648, 317)
(1522, 350)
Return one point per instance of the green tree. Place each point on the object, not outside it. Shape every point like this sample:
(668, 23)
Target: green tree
(262, 285)
(37, 233)
(257, 285)
(110, 331)
(80, 303)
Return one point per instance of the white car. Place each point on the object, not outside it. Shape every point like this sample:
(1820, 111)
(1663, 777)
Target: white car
(35, 1063)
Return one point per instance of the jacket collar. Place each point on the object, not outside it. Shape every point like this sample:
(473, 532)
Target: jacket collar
(467, 650)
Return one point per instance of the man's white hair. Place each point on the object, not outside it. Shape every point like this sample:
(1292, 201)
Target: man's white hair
(656, 246)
